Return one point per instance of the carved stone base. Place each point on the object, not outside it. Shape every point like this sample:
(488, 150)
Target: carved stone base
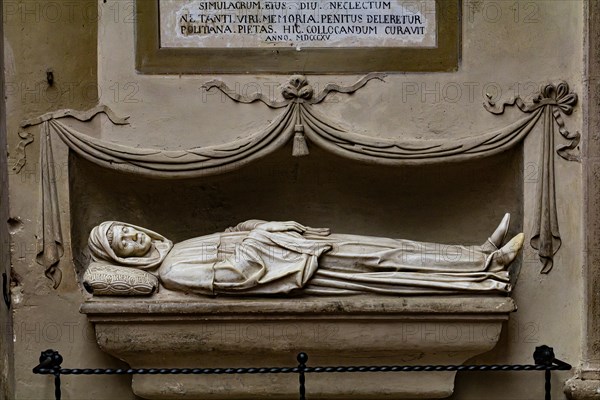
(577, 388)
(189, 331)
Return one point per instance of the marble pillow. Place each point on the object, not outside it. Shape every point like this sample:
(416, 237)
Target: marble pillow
(110, 280)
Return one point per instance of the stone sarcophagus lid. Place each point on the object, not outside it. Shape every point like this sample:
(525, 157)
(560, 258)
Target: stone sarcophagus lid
(174, 330)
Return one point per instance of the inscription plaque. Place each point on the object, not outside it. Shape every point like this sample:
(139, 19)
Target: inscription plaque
(291, 36)
(299, 24)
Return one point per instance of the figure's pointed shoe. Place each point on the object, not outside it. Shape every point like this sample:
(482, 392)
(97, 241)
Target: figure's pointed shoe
(509, 251)
(495, 241)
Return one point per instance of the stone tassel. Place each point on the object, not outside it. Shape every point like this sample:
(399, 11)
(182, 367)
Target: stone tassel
(300, 146)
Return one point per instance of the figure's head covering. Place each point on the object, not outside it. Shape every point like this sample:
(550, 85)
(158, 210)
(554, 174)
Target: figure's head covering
(100, 247)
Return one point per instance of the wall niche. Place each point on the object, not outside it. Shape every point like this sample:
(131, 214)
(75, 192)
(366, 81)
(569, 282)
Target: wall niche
(321, 189)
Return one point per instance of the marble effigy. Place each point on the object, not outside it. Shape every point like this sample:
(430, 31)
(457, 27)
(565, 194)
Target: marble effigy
(260, 258)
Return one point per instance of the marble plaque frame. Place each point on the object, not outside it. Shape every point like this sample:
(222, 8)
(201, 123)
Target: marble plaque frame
(152, 59)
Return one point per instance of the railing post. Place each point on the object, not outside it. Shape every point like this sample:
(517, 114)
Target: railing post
(548, 386)
(57, 393)
(51, 360)
(544, 355)
(302, 359)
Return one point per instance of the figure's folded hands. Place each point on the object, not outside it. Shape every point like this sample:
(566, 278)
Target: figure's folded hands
(286, 226)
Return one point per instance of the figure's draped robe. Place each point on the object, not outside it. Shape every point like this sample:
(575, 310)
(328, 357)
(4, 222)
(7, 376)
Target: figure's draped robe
(260, 262)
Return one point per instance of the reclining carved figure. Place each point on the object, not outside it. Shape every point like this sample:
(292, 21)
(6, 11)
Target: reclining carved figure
(260, 258)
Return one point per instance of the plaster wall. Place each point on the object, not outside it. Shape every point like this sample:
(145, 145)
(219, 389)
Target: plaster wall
(6, 350)
(508, 48)
(584, 385)
(61, 36)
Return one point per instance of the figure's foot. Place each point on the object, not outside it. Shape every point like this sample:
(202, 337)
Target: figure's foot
(507, 254)
(495, 241)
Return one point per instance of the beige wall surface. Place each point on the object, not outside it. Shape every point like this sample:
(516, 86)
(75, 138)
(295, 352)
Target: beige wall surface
(40, 36)
(6, 377)
(509, 48)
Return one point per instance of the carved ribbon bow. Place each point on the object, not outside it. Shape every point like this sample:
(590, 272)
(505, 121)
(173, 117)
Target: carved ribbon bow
(297, 89)
(557, 98)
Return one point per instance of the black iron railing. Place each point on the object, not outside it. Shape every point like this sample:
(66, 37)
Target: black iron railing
(50, 361)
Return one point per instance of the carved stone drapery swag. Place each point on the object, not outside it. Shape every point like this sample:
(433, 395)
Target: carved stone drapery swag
(300, 120)
(48, 235)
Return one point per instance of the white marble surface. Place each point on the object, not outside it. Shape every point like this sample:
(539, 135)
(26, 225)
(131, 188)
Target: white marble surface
(247, 24)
